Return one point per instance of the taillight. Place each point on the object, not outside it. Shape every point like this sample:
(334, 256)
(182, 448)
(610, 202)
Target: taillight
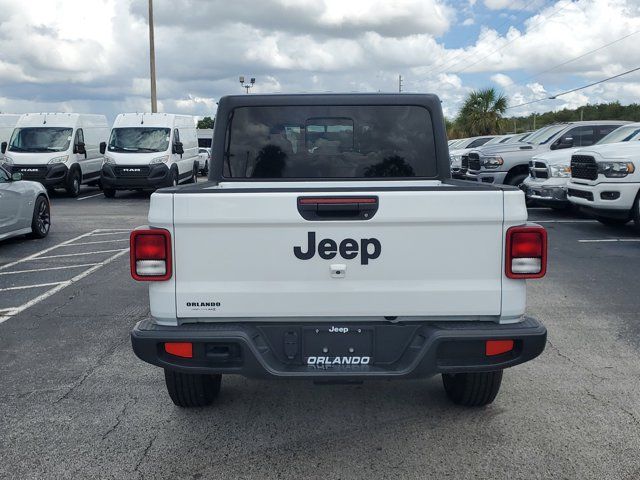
(150, 252)
(526, 252)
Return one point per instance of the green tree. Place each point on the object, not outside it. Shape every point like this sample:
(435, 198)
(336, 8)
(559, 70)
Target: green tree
(206, 122)
(481, 112)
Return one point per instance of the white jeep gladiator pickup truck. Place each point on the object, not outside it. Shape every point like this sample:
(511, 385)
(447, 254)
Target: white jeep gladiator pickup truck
(333, 233)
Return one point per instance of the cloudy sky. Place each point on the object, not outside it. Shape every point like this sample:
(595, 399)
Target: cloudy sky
(92, 55)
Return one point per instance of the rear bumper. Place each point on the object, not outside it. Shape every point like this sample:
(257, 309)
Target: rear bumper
(397, 350)
(158, 176)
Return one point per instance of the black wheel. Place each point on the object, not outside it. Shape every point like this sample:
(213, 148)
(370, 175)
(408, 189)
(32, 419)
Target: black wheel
(518, 181)
(205, 171)
(612, 222)
(109, 192)
(173, 179)
(472, 389)
(41, 221)
(635, 213)
(194, 174)
(73, 182)
(189, 390)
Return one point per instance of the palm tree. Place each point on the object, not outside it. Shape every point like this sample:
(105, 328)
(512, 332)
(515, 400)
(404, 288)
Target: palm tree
(481, 112)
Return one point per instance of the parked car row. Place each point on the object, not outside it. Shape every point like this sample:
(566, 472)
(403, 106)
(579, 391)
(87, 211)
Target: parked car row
(141, 151)
(591, 165)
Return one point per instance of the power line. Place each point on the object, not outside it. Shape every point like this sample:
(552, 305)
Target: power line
(581, 56)
(447, 63)
(515, 39)
(553, 97)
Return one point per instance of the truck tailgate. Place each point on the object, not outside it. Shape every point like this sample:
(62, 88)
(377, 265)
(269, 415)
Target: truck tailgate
(429, 252)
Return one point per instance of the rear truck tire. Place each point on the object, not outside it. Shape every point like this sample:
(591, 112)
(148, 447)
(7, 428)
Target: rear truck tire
(635, 213)
(472, 389)
(41, 220)
(73, 183)
(612, 222)
(173, 177)
(109, 192)
(192, 390)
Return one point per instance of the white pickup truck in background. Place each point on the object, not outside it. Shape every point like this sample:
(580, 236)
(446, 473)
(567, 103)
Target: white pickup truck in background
(605, 182)
(333, 233)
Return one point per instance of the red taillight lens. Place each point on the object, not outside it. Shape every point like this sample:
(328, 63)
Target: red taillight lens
(150, 247)
(526, 252)
(179, 349)
(150, 252)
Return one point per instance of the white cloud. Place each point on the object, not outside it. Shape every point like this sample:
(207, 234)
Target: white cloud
(467, 22)
(501, 79)
(513, 4)
(61, 55)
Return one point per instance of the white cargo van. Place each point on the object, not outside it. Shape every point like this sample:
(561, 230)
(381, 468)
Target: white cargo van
(59, 150)
(147, 151)
(7, 123)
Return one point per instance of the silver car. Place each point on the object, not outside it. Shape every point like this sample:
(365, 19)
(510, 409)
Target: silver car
(24, 207)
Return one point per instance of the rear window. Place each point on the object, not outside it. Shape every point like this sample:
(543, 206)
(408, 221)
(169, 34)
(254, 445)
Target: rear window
(330, 142)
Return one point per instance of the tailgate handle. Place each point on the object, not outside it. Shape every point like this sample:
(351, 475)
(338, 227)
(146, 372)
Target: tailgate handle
(337, 208)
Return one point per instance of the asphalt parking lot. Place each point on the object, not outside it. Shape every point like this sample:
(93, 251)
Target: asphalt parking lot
(76, 402)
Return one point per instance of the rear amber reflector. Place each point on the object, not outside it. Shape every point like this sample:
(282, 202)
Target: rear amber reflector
(498, 347)
(179, 349)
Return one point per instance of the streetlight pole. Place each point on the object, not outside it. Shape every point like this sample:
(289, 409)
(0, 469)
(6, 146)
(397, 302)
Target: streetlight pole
(152, 61)
(249, 85)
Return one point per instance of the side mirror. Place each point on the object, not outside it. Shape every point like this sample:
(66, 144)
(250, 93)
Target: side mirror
(103, 147)
(3, 147)
(564, 142)
(178, 149)
(80, 149)
(16, 177)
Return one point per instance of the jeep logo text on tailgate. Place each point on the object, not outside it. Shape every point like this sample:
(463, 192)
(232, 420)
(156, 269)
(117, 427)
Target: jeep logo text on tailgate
(369, 249)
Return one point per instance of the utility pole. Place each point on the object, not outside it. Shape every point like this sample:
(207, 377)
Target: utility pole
(152, 61)
(581, 112)
(534, 121)
(399, 83)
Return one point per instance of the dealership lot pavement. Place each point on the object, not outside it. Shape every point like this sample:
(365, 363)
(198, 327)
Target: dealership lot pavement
(75, 402)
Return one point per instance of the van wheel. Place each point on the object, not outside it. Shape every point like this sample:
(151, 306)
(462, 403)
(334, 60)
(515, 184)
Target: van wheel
(472, 389)
(612, 222)
(73, 183)
(109, 192)
(194, 174)
(41, 220)
(192, 390)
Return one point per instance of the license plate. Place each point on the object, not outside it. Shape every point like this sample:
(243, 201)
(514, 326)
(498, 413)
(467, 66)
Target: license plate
(337, 346)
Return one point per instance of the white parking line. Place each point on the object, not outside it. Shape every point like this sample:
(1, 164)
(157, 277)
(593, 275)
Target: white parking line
(46, 250)
(15, 311)
(25, 287)
(33, 270)
(608, 240)
(83, 253)
(95, 243)
(119, 232)
(90, 196)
